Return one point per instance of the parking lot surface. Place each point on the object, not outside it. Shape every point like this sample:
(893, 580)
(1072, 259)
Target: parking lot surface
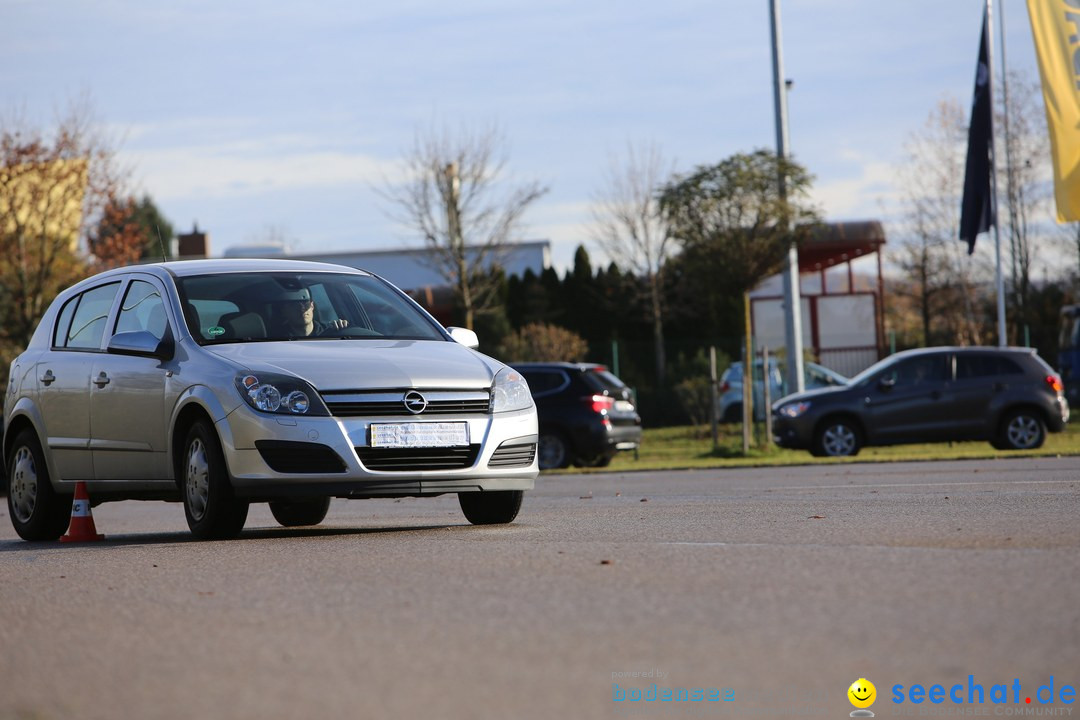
(780, 585)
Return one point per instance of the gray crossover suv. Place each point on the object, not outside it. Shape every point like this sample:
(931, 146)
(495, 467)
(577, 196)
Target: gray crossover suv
(226, 382)
(1009, 396)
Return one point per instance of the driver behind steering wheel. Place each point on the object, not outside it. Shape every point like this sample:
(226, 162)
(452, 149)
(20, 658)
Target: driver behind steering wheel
(294, 315)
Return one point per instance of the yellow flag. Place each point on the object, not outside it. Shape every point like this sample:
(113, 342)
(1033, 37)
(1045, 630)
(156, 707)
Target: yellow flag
(1055, 25)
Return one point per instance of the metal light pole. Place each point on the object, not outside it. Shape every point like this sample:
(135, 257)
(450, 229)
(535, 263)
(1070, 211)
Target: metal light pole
(998, 280)
(792, 295)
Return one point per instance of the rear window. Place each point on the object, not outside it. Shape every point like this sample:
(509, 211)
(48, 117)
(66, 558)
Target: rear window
(604, 381)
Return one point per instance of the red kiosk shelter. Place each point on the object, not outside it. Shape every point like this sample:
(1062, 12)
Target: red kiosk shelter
(843, 321)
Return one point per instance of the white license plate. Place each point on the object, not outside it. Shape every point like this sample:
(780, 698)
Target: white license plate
(419, 435)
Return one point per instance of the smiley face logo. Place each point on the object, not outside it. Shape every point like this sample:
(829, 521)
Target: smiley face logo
(862, 693)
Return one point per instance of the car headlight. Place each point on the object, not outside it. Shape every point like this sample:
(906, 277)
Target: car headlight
(279, 394)
(795, 409)
(510, 392)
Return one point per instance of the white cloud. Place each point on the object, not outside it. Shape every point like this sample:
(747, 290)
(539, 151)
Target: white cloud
(248, 167)
(860, 196)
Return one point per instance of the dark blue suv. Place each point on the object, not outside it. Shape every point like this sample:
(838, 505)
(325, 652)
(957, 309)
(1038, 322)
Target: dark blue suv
(1007, 396)
(585, 413)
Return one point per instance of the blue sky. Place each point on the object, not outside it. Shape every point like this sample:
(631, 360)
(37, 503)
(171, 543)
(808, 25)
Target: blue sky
(257, 117)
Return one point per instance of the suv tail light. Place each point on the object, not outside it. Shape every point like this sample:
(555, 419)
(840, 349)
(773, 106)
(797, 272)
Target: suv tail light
(725, 386)
(600, 404)
(1055, 383)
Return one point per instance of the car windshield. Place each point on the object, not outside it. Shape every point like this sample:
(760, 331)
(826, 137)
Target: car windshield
(873, 370)
(261, 306)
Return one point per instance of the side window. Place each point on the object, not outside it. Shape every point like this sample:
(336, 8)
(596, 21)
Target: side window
(917, 371)
(88, 321)
(63, 322)
(980, 366)
(544, 382)
(142, 309)
(973, 366)
(1007, 366)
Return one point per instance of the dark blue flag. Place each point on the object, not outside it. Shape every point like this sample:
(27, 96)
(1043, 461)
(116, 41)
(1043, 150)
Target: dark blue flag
(978, 213)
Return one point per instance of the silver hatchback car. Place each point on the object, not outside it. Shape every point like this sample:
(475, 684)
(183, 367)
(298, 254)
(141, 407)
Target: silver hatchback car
(225, 382)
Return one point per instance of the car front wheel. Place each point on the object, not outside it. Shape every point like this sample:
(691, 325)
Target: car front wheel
(837, 438)
(492, 507)
(298, 513)
(212, 510)
(37, 511)
(1021, 430)
(553, 451)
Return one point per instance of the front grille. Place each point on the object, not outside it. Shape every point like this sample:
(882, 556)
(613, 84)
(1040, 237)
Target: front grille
(385, 403)
(508, 455)
(284, 456)
(412, 459)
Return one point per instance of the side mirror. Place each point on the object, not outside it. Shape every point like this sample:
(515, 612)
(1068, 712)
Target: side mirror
(886, 383)
(464, 336)
(141, 343)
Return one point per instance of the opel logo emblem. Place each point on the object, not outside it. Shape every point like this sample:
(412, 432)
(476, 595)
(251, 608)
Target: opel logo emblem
(415, 402)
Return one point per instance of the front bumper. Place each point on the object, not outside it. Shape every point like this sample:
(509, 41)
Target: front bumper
(790, 434)
(277, 455)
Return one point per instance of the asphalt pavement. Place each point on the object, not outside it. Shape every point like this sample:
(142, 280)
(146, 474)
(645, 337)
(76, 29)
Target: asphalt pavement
(763, 592)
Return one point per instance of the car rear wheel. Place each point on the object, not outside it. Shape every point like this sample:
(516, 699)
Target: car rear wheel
(553, 451)
(837, 438)
(491, 508)
(37, 511)
(599, 461)
(1021, 430)
(211, 508)
(297, 513)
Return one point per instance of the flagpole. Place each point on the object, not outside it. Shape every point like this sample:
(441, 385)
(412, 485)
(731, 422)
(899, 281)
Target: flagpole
(1010, 174)
(999, 280)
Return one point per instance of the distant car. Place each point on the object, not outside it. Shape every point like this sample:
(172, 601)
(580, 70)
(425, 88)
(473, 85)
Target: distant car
(1008, 396)
(731, 386)
(220, 383)
(586, 414)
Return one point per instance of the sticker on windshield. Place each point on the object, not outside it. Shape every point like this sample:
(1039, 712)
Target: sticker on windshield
(216, 330)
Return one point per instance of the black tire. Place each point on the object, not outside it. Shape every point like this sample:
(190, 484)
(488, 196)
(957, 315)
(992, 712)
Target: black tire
(1022, 429)
(37, 511)
(491, 508)
(837, 437)
(602, 461)
(552, 451)
(298, 513)
(733, 414)
(213, 512)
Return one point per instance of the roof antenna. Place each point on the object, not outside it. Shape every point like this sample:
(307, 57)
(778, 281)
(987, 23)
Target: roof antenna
(161, 242)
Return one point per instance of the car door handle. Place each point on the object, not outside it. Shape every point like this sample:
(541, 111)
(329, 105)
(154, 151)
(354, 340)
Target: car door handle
(102, 380)
(48, 378)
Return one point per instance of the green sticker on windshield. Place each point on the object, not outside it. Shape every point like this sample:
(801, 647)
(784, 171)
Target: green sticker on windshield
(216, 330)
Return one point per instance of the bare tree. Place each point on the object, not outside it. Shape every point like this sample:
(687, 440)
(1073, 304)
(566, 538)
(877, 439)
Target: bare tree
(942, 280)
(456, 198)
(632, 230)
(1023, 176)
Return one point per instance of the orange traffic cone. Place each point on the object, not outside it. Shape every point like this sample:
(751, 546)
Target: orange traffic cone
(82, 527)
